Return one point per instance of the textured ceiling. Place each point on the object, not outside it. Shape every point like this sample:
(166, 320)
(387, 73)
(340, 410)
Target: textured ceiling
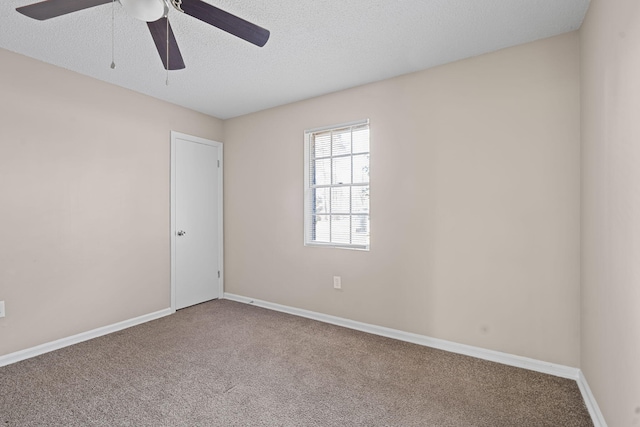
(316, 46)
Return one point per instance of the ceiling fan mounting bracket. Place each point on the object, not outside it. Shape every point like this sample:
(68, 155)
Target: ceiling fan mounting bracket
(177, 4)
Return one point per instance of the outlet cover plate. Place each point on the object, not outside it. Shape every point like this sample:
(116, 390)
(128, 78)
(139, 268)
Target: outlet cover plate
(337, 282)
(1, 308)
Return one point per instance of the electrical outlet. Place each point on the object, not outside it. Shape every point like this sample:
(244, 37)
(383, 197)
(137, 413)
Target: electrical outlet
(1, 308)
(337, 282)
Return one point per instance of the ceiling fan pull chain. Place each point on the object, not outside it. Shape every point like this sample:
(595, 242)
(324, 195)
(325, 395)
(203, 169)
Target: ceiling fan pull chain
(167, 18)
(113, 32)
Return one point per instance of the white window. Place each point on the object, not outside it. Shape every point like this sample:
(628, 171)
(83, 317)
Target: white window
(336, 186)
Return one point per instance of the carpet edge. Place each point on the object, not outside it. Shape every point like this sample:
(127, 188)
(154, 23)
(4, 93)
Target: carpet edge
(468, 350)
(28, 353)
(562, 371)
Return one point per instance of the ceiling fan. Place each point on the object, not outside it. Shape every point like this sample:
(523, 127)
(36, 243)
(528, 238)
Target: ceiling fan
(155, 14)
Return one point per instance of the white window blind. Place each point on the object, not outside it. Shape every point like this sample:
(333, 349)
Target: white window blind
(336, 208)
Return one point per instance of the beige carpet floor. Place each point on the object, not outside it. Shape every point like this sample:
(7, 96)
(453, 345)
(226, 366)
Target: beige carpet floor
(224, 363)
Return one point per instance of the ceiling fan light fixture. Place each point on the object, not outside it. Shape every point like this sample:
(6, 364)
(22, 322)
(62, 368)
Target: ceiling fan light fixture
(155, 14)
(146, 10)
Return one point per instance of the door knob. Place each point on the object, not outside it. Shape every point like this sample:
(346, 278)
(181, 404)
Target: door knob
(181, 233)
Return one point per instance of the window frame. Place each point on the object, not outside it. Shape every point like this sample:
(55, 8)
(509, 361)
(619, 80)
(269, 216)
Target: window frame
(307, 210)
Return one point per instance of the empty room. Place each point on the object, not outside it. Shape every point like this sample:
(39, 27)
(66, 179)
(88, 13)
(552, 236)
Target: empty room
(363, 213)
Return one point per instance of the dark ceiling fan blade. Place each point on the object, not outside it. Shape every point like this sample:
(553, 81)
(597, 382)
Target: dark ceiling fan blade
(226, 21)
(158, 31)
(52, 8)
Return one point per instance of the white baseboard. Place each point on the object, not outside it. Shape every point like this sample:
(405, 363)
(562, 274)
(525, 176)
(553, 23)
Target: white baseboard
(84, 336)
(478, 352)
(590, 401)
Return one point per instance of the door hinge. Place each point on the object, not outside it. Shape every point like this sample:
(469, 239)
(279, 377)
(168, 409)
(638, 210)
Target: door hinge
(218, 163)
(218, 274)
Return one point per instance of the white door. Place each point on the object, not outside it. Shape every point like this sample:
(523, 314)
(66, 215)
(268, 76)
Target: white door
(196, 221)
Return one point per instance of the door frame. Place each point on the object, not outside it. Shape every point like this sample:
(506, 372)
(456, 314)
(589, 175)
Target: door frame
(175, 136)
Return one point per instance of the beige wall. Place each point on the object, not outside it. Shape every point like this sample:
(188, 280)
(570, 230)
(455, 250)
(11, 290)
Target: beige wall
(610, 39)
(84, 201)
(475, 173)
